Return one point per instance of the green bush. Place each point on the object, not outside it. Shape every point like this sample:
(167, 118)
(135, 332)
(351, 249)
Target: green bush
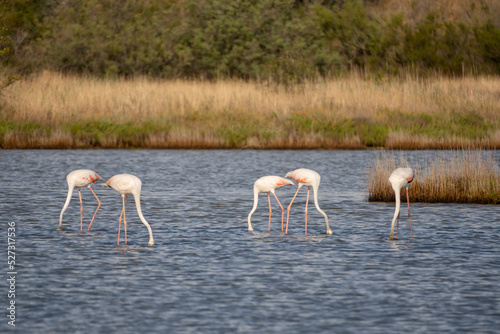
(286, 41)
(488, 38)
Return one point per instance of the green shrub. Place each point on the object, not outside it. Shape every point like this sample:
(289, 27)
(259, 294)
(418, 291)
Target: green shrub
(285, 41)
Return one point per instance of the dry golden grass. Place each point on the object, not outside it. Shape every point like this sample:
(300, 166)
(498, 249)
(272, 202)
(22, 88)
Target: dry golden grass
(398, 140)
(195, 113)
(51, 98)
(461, 177)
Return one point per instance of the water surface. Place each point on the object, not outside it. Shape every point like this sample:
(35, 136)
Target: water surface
(208, 274)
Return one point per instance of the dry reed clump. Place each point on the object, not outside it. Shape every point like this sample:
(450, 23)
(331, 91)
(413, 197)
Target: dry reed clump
(461, 177)
(52, 110)
(403, 141)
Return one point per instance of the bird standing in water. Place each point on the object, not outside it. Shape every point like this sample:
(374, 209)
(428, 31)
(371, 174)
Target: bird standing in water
(77, 179)
(400, 178)
(126, 184)
(268, 184)
(309, 178)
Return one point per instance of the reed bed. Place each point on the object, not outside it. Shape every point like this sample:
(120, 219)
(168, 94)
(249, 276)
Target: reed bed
(460, 177)
(52, 110)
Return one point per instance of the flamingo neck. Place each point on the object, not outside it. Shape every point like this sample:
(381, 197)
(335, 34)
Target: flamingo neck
(66, 204)
(315, 193)
(397, 193)
(255, 202)
(137, 198)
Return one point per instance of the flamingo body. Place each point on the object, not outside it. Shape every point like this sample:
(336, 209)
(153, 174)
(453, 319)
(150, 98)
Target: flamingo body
(268, 184)
(78, 179)
(400, 178)
(126, 184)
(309, 178)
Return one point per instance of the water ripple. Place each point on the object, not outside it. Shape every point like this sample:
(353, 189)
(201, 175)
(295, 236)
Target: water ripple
(208, 274)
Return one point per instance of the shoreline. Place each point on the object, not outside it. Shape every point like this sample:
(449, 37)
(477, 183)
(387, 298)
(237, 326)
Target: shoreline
(57, 139)
(49, 145)
(51, 110)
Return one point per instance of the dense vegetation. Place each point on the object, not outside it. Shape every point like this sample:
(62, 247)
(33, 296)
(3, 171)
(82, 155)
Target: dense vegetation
(283, 40)
(249, 73)
(52, 110)
(460, 177)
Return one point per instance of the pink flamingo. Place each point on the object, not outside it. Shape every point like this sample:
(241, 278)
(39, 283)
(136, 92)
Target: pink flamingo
(126, 184)
(400, 178)
(78, 179)
(309, 178)
(268, 184)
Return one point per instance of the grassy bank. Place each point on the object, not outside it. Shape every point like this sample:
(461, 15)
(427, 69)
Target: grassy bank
(57, 111)
(462, 177)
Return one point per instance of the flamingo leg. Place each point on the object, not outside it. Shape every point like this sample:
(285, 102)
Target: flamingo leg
(409, 217)
(81, 209)
(288, 209)
(307, 202)
(270, 211)
(282, 211)
(119, 225)
(124, 219)
(98, 206)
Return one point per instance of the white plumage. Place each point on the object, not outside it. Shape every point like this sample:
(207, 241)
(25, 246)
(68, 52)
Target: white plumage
(400, 178)
(268, 184)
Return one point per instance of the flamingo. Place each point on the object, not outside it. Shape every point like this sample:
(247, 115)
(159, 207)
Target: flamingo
(268, 184)
(126, 184)
(309, 178)
(400, 178)
(80, 178)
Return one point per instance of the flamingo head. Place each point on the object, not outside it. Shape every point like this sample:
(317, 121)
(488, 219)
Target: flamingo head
(285, 182)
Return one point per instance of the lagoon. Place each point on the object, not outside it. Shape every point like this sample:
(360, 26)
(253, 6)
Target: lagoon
(208, 274)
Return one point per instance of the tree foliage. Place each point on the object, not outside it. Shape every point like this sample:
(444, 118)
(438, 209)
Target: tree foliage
(285, 40)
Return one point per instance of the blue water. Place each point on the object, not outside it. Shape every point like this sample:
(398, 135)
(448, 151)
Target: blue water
(208, 274)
